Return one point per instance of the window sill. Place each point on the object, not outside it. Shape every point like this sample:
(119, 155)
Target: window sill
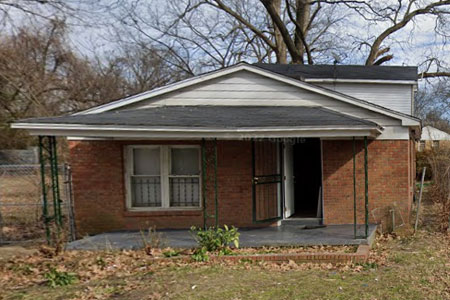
(195, 211)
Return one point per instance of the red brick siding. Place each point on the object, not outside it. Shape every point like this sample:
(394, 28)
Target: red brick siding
(99, 189)
(389, 179)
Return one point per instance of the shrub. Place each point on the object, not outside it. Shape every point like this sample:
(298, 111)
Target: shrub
(216, 239)
(422, 160)
(151, 240)
(439, 190)
(170, 253)
(200, 255)
(56, 278)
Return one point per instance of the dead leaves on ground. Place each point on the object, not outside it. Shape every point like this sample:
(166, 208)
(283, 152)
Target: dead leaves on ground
(102, 273)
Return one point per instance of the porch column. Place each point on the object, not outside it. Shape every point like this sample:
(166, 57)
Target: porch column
(366, 188)
(205, 163)
(48, 153)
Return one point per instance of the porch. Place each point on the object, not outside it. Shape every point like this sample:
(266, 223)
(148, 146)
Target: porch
(247, 173)
(331, 235)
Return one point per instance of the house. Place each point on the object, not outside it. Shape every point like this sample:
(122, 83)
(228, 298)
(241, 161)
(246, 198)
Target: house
(247, 145)
(433, 138)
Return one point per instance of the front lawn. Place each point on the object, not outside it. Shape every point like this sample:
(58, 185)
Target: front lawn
(399, 268)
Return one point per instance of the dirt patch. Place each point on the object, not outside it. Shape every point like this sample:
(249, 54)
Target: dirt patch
(9, 252)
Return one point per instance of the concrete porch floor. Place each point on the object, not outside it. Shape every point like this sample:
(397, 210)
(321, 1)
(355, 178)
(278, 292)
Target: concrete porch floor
(256, 237)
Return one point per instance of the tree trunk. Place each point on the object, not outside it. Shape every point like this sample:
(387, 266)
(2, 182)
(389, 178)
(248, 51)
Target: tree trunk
(281, 51)
(302, 15)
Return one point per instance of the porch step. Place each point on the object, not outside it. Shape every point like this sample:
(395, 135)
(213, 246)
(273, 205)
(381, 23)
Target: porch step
(301, 222)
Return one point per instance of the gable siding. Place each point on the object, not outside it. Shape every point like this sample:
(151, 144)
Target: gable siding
(397, 97)
(245, 88)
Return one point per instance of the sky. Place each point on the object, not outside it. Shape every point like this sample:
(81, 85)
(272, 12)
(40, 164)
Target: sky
(96, 37)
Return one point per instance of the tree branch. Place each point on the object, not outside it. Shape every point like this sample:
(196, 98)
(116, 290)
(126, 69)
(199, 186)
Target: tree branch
(231, 12)
(433, 74)
(405, 20)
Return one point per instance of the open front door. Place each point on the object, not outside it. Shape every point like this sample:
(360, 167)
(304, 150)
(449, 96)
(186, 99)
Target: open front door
(267, 190)
(289, 197)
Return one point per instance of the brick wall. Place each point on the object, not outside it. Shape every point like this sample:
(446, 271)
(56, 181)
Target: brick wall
(99, 189)
(390, 180)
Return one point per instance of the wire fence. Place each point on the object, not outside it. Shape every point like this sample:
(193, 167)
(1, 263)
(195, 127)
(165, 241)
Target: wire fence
(21, 202)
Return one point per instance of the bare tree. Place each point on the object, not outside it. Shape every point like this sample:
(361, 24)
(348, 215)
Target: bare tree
(41, 75)
(433, 99)
(206, 34)
(203, 34)
(392, 17)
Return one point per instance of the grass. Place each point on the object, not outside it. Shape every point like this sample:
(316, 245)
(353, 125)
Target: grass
(415, 267)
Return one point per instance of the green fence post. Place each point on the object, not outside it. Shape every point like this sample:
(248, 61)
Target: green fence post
(366, 188)
(354, 189)
(215, 184)
(44, 189)
(205, 212)
(55, 177)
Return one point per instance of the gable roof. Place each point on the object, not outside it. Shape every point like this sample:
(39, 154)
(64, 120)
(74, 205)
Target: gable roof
(407, 120)
(352, 72)
(430, 133)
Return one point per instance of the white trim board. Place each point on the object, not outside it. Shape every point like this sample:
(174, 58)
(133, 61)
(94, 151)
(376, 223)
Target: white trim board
(80, 130)
(342, 80)
(406, 119)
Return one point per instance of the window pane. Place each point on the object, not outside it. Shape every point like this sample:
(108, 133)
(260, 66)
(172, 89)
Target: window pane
(185, 161)
(146, 191)
(184, 191)
(146, 161)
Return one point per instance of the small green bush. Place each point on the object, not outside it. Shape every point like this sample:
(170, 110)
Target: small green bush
(200, 255)
(170, 253)
(216, 239)
(56, 278)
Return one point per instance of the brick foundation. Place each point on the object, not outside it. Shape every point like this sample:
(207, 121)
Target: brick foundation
(360, 256)
(99, 186)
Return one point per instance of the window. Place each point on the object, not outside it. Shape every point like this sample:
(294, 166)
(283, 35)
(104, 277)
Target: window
(184, 177)
(163, 177)
(422, 145)
(435, 144)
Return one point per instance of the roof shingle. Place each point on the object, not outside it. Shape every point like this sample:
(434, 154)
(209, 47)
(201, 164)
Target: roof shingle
(213, 117)
(343, 71)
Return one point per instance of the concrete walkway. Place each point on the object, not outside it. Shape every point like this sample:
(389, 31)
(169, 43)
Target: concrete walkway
(268, 236)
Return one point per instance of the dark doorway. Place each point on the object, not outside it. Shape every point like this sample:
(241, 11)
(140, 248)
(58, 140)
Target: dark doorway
(307, 178)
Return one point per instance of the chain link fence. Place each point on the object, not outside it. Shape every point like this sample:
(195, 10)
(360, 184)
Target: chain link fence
(21, 203)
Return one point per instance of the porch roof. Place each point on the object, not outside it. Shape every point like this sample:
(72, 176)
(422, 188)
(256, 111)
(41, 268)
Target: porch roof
(206, 121)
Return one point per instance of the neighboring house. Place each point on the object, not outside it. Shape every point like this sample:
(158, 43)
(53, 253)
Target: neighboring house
(248, 145)
(433, 138)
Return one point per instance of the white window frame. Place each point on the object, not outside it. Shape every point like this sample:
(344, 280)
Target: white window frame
(165, 170)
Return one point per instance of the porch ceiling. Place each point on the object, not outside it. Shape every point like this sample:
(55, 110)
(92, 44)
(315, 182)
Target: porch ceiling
(206, 121)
